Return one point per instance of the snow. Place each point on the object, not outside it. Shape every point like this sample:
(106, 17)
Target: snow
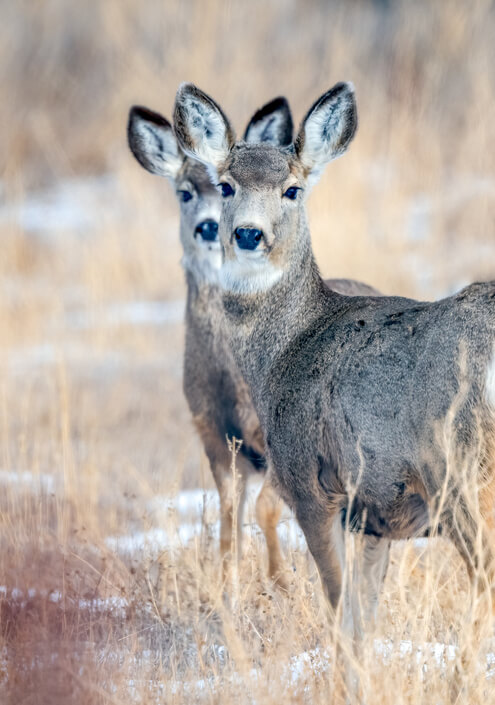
(186, 511)
(136, 313)
(28, 480)
(113, 603)
(157, 540)
(182, 517)
(187, 515)
(34, 357)
(76, 205)
(81, 207)
(425, 206)
(316, 662)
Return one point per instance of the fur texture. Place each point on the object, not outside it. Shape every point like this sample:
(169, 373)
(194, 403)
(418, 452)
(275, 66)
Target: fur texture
(210, 136)
(371, 406)
(216, 393)
(327, 130)
(490, 382)
(152, 141)
(272, 124)
(245, 276)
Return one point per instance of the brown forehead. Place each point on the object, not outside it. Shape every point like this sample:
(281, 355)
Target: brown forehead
(258, 165)
(196, 173)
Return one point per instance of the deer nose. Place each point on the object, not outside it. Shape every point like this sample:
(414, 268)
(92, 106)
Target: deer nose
(208, 230)
(248, 238)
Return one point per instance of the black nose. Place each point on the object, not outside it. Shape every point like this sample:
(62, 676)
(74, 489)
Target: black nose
(208, 230)
(248, 238)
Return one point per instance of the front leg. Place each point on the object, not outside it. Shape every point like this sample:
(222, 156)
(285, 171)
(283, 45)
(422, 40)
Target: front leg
(324, 535)
(232, 493)
(231, 488)
(268, 510)
(352, 582)
(369, 568)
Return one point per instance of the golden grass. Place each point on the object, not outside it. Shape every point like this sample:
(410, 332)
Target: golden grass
(99, 407)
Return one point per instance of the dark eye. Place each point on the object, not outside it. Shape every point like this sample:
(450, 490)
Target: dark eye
(291, 193)
(185, 196)
(227, 190)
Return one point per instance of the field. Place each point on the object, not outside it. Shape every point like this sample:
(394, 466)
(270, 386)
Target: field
(109, 567)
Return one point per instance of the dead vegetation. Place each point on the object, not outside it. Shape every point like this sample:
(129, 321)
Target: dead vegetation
(93, 427)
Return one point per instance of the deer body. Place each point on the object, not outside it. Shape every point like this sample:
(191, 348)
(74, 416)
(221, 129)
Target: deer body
(217, 395)
(352, 386)
(377, 411)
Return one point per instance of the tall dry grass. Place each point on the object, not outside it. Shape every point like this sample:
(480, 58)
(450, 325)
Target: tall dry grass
(94, 412)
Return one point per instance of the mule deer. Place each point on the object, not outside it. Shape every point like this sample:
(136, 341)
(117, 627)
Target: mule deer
(217, 395)
(354, 394)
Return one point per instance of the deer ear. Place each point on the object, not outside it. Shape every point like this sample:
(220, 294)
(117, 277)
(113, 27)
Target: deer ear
(327, 129)
(272, 123)
(202, 128)
(153, 143)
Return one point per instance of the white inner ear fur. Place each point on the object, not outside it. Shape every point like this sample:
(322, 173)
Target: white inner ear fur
(248, 274)
(490, 382)
(268, 129)
(207, 130)
(160, 147)
(323, 133)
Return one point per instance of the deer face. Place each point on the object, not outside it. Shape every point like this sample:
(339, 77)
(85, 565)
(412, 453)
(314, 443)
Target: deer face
(260, 209)
(263, 186)
(154, 145)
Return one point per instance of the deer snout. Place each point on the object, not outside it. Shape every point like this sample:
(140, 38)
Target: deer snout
(248, 238)
(208, 230)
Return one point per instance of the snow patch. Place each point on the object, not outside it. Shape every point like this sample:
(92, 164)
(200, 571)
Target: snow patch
(28, 480)
(77, 205)
(157, 540)
(317, 662)
(96, 604)
(136, 313)
(191, 514)
(22, 359)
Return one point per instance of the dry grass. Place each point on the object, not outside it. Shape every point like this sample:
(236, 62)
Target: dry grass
(91, 404)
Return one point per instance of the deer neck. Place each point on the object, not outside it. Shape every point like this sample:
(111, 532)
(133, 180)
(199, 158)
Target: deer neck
(204, 300)
(262, 325)
(202, 274)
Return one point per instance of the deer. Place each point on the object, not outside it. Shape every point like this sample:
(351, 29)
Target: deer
(378, 412)
(217, 395)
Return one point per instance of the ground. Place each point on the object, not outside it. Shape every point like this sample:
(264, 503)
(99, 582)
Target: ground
(110, 578)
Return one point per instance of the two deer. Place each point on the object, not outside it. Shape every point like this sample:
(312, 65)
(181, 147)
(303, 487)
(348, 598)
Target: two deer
(217, 394)
(378, 412)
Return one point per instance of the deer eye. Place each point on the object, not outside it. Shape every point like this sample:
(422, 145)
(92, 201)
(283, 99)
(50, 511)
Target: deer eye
(291, 193)
(185, 196)
(227, 189)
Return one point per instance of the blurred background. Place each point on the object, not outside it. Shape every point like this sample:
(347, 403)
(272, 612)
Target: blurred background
(93, 426)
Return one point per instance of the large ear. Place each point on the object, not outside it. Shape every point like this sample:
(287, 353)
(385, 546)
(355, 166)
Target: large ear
(202, 128)
(327, 129)
(153, 143)
(272, 123)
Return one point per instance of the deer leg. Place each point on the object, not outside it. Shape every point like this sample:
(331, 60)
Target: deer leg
(475, 541)
(325, 539)
(231, 488)
(487, 510)
(369, 568)
(268, 510)
(232, 494)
